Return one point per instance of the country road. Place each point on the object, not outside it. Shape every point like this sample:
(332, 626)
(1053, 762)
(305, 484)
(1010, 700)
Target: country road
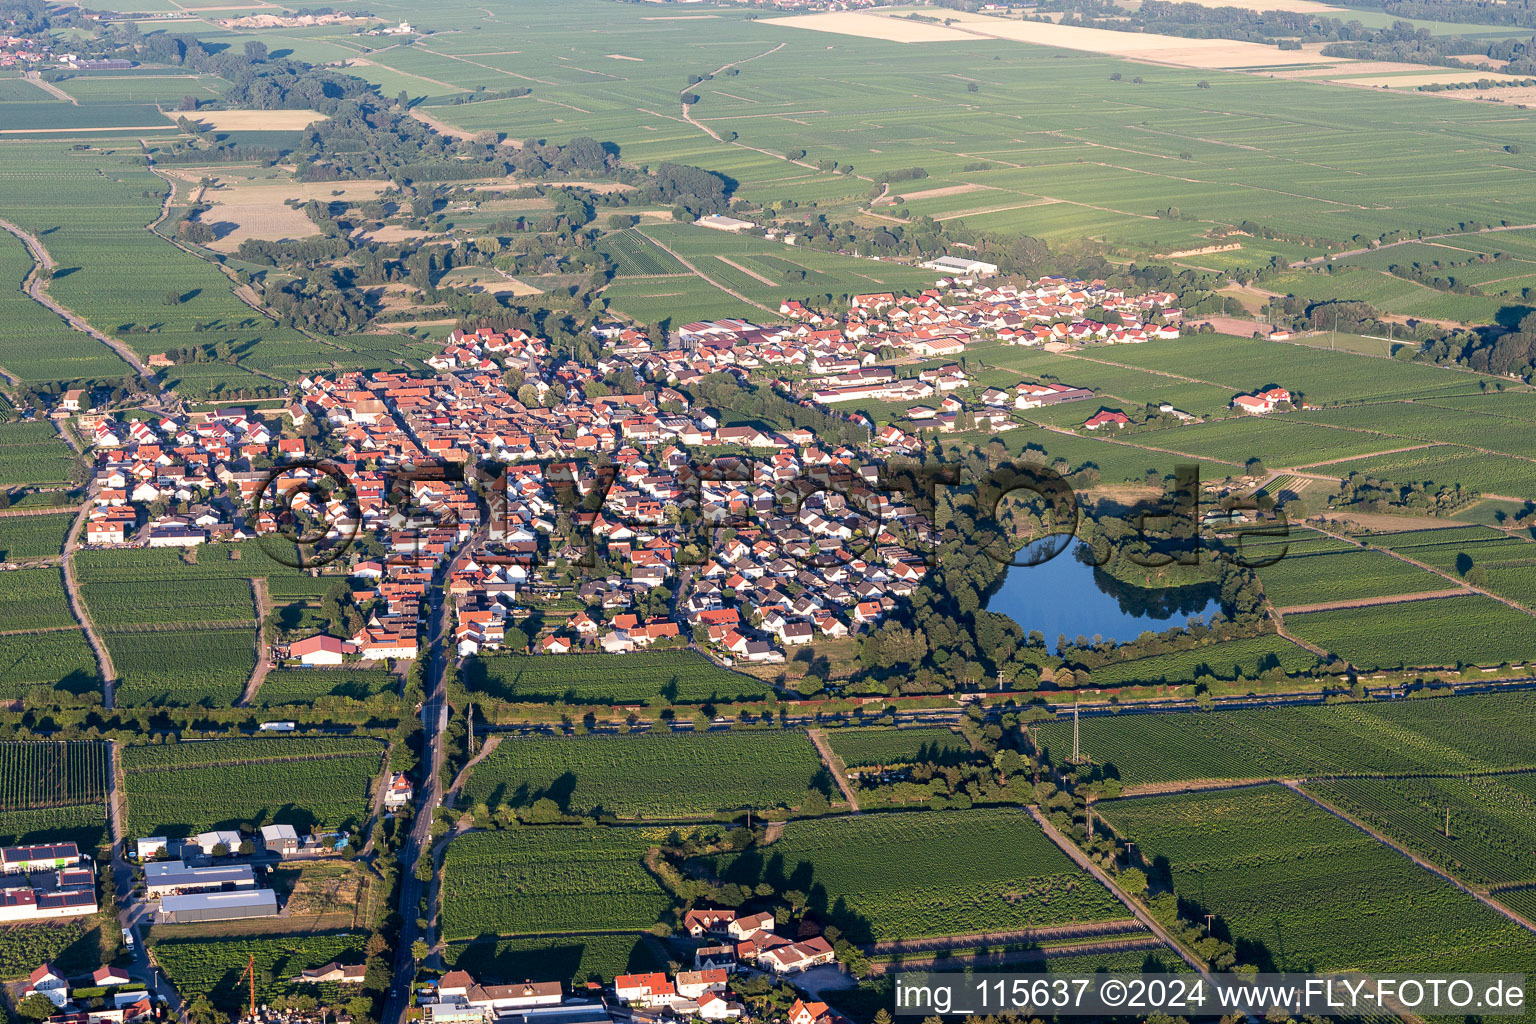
(834, 765)
(81, 613)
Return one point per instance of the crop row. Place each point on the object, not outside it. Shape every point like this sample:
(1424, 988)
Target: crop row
(213, 967)
(1300, 889)
(903, 875)
(1491, 820)
(52, 774)
(57, 663)
(555, 879)
(232, 751)
(650, 775)
(574, 959)
(867, 748)
(23, 537)
(190, 600)
(34, 599)
(1453, 734)
(82, 824)
(677, 676)
(302, 686)
(1474, 630)
(207, 667)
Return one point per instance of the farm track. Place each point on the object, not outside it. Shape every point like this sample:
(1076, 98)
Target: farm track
(703, 276)
(263, 601)
(36, 78)
(1420, 861)
(834, 765)
(452, 796)
(1081, 860)
(33, 285)
(78, 608)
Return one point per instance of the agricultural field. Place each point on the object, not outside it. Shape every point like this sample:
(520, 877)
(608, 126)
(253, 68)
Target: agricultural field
(569, 958)
(1480, 733)
(23, 537)
(33, 453)
(1497, 561)
(530, 881)
(679, 677)
(52, 774)
(58, 663)
(1449, 466)
(206, 667)
(1473, 630)
(871, 748)
(1337, 571)
(1247, 658)
(185, 788)
(649, 775)
(1492, 838)
(34, 599)
(38, 345)
(926, 873)
(85, 825)
(71, 945)
(303, 685)
(1288, 881)
(213, 966)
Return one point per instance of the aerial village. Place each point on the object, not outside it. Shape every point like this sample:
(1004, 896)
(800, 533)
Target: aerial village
(782, 562)
(758, 541)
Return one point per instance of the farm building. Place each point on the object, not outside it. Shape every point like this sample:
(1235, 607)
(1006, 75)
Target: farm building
(961, 266)
(25, 903)
(20, 859)
(279, 839)
(720, 222)
(218, 906)
(174, 878)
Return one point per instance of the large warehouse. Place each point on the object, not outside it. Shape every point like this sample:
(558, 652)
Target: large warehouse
(218, 906)
(173, 878)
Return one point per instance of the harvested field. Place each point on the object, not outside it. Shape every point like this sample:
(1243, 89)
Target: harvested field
(1140, 46)
(395, 233)
(1414, 81)
(872, 26)
(253, 120)
(258, 209)
(935, 193)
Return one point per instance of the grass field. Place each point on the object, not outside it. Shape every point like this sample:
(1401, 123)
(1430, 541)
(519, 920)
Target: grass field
(904, 875)
(1288, 882)
(649, 775)
(530, 881)
(1449, 735)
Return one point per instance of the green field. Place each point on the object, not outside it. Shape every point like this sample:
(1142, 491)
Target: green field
(1299, 889)
(34, 599)
(1247, 657)
(303, 685)
(212, 967)
(1492, 820)
(869, 748)
(1473, 630)
(23, 537)
(59, 661)
(569, 958)
(1447, 735)
(185, 788)
(33, 453)
(680, 677)
(207, 667)
(531, 881)
(649, 775)
(909, 874)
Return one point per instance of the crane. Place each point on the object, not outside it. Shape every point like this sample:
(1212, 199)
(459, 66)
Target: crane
(250, 971)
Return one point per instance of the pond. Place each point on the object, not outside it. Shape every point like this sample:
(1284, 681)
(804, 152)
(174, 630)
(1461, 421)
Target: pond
(1068, 595)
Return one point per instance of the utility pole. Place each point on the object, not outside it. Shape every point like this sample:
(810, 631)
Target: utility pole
(1447, 823)
(1208, 918)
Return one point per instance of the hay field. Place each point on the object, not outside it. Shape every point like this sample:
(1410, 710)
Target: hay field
(1428, 78)
(873, 26)
(258, 209)
(253, 120)
(1141, 46)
